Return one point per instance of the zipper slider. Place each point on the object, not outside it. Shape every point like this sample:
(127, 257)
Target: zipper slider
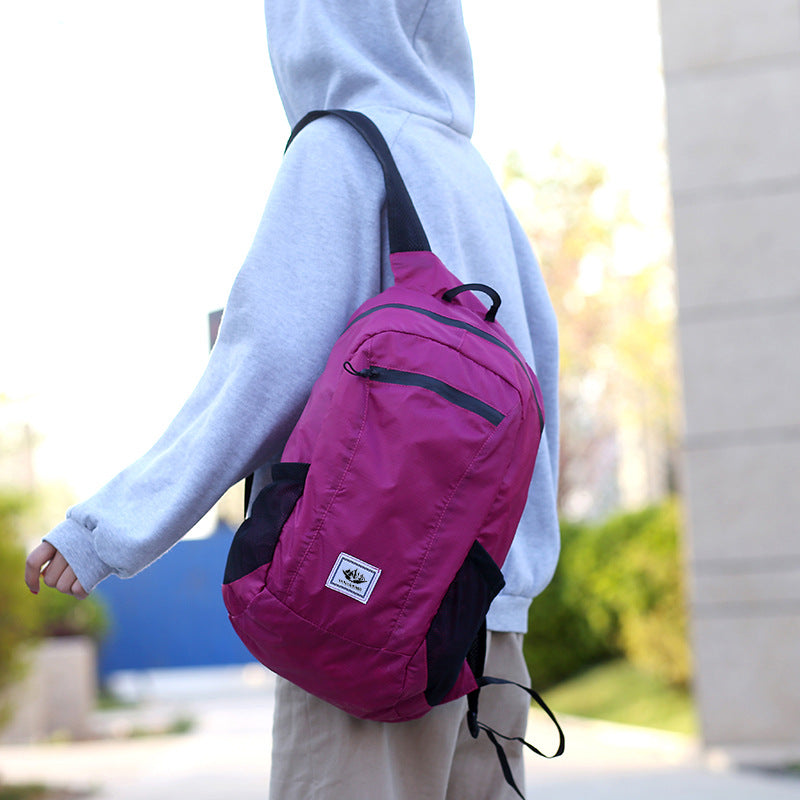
(364, 373)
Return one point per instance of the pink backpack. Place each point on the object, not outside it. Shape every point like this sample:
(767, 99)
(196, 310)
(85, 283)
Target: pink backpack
(365, 569)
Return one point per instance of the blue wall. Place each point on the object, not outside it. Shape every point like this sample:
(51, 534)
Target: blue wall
(172, 614)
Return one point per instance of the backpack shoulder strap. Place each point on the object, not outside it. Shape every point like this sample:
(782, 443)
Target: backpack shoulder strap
(406, 233)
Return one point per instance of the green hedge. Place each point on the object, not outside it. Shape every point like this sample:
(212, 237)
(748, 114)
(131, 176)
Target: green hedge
(63, 615)
(618, 591)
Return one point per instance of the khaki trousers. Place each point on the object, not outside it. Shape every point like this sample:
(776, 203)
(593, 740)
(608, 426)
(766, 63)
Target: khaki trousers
(322, 753)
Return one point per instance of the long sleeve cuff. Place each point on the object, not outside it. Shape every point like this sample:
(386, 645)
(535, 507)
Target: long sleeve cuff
(508, 613)
(76, 544)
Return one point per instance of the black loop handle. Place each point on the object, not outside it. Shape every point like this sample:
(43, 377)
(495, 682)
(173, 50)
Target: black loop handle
(476, 287)
(406, 233)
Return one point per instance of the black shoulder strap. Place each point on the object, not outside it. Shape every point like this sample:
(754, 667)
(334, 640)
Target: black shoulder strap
(406, 233)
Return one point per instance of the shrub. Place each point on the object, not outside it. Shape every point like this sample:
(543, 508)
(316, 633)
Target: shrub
(63, 615)
(567, 632)
(618, 590)
(652, 614)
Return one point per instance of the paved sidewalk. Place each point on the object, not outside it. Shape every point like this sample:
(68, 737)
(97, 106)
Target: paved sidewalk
(226, 754)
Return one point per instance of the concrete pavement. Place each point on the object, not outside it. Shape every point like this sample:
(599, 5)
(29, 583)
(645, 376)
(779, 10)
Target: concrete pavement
(226, 753)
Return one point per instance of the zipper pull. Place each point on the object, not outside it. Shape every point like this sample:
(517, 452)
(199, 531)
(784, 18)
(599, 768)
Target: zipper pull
(364, 373)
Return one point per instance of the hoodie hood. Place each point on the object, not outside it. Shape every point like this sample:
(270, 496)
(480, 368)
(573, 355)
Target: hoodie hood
(411, 55)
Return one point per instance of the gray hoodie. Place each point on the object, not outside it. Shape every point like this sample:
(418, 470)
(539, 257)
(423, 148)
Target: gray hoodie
(321, 250)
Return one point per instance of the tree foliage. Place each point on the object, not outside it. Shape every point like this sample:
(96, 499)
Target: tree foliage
(610, 282)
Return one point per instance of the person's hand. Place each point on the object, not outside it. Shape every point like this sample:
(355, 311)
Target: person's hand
(46, 561)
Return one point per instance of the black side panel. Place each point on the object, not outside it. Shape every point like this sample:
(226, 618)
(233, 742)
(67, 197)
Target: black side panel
(254, 542)
(459, 619)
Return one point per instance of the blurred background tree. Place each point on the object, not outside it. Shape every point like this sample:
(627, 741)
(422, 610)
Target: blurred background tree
(18, 616)
(25, 619)
(26, 510)
(618, 594)
(611, 283)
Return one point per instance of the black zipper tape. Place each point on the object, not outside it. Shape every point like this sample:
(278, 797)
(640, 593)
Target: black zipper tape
(445, 390)
(455, 323)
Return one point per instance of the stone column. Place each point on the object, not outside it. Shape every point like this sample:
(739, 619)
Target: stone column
(732, 70)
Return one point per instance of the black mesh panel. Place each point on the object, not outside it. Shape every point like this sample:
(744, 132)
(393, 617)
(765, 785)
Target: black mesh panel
(254, 542)
(459, 619)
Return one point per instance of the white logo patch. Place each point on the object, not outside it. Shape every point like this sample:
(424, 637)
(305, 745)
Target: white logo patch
(353, 577)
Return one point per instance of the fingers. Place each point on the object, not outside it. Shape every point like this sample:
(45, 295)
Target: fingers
(57, 573)
(54, 570)
(36, 560)
(72, 584)
(65, 581)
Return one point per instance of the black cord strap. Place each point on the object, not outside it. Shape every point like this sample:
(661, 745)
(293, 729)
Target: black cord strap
(406, 233)
(503, 759)
(487, 681)
(475, 726)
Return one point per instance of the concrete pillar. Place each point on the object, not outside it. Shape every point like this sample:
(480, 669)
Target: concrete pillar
(732, 70)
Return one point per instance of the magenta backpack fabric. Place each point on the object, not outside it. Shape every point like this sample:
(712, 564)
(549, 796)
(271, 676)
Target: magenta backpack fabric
(365, 569)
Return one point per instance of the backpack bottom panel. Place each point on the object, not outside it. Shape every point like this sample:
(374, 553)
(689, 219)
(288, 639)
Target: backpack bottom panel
(368, 683)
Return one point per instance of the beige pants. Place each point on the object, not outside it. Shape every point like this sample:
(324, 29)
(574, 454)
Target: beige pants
(322, 753)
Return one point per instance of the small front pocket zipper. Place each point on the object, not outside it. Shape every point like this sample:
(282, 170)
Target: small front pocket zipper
(456, 323)
(445, 390)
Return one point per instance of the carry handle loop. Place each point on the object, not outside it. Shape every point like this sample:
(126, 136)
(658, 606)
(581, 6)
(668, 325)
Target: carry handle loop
(406, 233)
(476, 287)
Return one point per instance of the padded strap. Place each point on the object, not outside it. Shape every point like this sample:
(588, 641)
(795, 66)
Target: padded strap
(406, 233)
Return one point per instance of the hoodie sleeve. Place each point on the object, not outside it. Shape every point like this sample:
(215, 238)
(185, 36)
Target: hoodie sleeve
(315, 258)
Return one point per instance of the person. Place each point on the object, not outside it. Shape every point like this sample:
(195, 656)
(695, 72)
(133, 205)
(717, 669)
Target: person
(321, 250)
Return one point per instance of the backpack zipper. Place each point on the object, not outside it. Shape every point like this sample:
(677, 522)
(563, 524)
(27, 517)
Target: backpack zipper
(463, 326)
(445, 390)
